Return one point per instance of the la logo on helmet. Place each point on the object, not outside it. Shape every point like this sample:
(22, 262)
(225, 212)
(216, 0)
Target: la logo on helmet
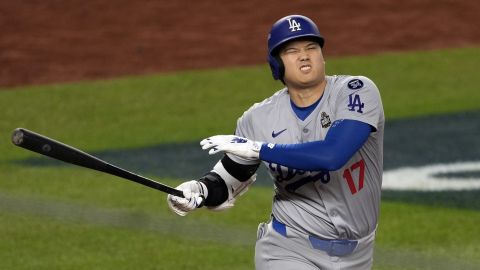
(294, 25)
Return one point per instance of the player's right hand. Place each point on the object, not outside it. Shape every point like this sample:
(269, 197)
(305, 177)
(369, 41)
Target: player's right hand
(195, 194)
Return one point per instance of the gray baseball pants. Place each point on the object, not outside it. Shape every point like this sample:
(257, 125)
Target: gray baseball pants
(294, 251)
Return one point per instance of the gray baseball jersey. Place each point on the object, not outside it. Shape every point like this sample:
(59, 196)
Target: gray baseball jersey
(342, 204)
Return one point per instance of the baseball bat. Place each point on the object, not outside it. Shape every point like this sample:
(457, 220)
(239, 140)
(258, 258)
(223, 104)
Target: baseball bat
(48, 147)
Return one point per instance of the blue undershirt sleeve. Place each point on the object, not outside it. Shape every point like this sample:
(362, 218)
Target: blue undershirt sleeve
(344, 138)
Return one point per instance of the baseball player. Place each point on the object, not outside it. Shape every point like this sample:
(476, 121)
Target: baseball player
(321, 138)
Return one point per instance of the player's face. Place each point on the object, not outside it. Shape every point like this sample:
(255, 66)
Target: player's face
(304, 63)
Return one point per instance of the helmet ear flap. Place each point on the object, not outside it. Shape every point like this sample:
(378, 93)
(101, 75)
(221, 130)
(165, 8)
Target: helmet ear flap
(277, 67)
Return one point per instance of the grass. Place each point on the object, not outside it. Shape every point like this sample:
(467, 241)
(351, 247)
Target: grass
(191, 105)
(71, 218)
(41, 243)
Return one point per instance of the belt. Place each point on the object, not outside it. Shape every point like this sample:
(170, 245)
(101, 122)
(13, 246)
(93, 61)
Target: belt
(332, 247)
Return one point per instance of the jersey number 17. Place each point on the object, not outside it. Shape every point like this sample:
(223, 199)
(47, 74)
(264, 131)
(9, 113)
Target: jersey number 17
(347, 175)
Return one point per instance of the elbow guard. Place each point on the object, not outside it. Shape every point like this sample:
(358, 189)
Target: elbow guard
(227, 181)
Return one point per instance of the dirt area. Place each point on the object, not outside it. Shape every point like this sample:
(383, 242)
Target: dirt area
(58, 41)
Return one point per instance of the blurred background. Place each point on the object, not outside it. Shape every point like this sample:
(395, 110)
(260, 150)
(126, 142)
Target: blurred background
(139, 84)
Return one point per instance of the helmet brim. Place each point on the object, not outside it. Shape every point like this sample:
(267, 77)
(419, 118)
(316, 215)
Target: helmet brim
(320, 40)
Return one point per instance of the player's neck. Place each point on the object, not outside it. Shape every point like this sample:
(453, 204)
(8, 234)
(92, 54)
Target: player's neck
(306, 96)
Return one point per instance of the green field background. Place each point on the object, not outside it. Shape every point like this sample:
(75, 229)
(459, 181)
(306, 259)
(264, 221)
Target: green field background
(73, 218)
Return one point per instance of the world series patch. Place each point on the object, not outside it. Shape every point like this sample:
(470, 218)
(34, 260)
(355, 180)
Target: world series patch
(325, 120)
(355, 84)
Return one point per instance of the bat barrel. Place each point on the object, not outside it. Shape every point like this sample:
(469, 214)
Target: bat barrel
(43, 145)
(33, 141)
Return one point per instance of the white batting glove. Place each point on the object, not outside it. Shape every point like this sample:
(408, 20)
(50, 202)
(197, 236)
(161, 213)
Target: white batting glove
(235, 145)
(195, 194)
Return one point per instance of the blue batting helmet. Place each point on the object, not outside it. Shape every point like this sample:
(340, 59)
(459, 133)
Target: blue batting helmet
(286, 29)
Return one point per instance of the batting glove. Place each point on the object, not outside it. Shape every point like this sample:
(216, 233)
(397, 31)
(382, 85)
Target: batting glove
(235, 145)
(195, 194)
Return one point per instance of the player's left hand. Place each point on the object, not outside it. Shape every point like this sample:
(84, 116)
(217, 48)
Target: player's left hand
(235, 145)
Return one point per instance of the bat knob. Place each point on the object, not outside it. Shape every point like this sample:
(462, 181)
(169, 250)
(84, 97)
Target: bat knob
(17, 136)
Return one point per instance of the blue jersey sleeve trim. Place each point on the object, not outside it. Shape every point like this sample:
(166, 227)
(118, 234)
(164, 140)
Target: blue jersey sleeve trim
(344, 138)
